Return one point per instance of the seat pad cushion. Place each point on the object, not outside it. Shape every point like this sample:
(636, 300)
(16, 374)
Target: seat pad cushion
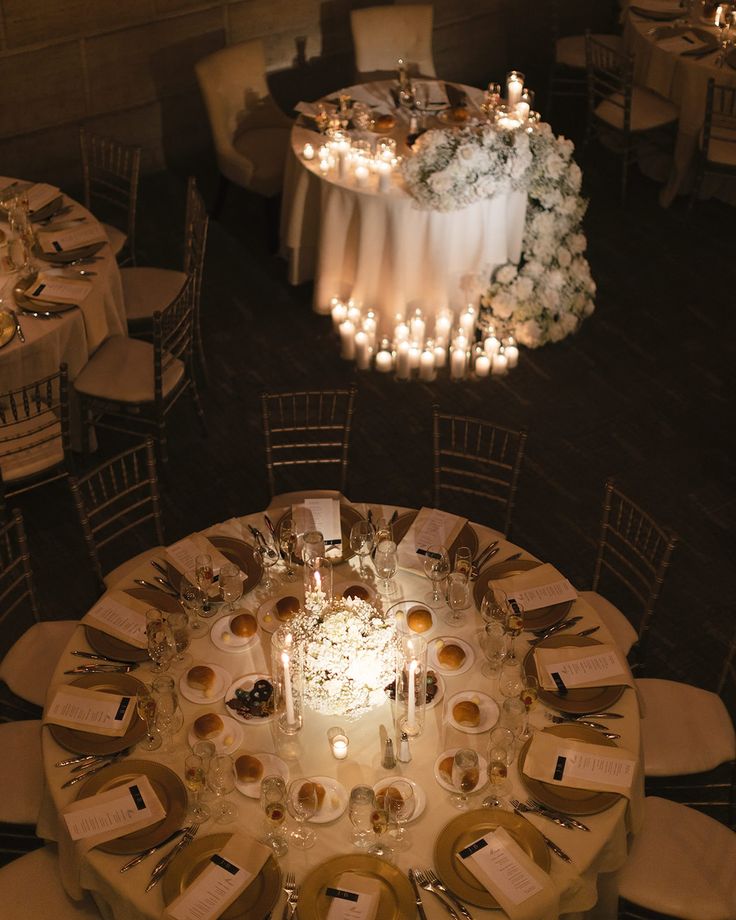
(621, 629)
(32, 659)
(121, 370)
(146, 290)
(648, 110)
(570, 50)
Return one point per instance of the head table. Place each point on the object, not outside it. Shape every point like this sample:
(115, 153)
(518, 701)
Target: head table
(585, 886)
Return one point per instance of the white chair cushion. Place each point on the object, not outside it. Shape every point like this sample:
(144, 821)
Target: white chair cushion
(33, 458)
(383, 34)
(124, 571)
(570, 50)
(146, 290)
(121, 370)
(682, 864)
(684, 729)
(265, 150)
(31, 889)
(623, 633)
(648, 110)
(21, 774)
(116, 238)
(29, 664)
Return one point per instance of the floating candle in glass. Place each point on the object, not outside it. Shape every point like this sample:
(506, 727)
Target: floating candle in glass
(384, 357)
(514, 87)
(308, 152)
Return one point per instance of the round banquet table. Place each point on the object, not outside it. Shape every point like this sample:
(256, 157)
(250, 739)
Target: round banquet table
(74, 335)
(586, 886)
(683, 80)
(378, 247)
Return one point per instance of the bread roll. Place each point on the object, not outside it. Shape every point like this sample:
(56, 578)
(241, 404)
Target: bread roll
(419, 620)
(451, 656)
(208, 726)
(308, 789)
(248, 768)
(286, 607)
(384, 122)
(202, 678)
(243, 625)
(466, 712)
(445, 768)
(391, 796)
(459, 113)
(359, 591)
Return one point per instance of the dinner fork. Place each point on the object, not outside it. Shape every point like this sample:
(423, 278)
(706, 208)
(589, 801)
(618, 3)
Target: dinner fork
(424, 883)
(435, 880)
(556, 817)
(289, 887)
(558, 851)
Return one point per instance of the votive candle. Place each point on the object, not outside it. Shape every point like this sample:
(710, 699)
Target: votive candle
(427, 365)
(339, 313)
(482, 365)
(308, 152)
(514, 86)
(500, 364)
(347, 340)
(362, 351)
(403, 361)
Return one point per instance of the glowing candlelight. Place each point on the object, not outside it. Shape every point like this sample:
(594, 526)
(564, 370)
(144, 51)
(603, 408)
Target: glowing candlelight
(411, 715)
(288, 696)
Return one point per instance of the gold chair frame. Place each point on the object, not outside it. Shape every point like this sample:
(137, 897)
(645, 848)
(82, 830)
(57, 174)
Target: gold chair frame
(719, 125)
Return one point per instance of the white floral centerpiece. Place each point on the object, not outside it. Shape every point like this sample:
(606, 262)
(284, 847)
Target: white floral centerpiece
(349, 656)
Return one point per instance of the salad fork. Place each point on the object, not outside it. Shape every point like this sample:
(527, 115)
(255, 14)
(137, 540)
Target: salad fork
(289, 887)
(425, 883)
(435, 880)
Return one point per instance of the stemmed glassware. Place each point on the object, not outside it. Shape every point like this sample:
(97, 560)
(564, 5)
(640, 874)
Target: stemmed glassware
(513, 713)
(146, 707)
(161, 647)
(205, 575)
(361, 542)
(529, 693)
(493, 643)
(190, 598)
(287, 544)
(195, 777)
(401, 805)
(386, 562)
(379, 825)
(360, 809)
(465, 776)
(498, 773)
(436, 568)
(269, 557)
(512, 679)
(514, 626)
(302, 803)
(231, 585)
(421, 99)
(273, 803)
(494, 606)
(169, 717)
(221, 781)
(456, 595)
(178, 623)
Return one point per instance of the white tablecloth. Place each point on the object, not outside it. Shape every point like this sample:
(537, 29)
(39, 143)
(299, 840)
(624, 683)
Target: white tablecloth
(595, 855)
(380, 248)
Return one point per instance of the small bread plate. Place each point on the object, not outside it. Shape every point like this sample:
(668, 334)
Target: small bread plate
(420, 797)
(203, 697)
(268, 617)
(434, 649)
(224, 638)
(247, 682)
(334, 803)
(487, 706)
(226, 741)
(345, 589)
(401, 611)
(271, 765)
(442, 777)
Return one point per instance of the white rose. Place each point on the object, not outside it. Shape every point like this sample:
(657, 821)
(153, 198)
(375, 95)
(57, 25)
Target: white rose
(533, 269)
(589, 308)
(506, 274)
(574, 176)
(503, 305)
(577, 243)
(563, 256)
(553, 166)
(568, 322)
(528, 333)
(524, 288)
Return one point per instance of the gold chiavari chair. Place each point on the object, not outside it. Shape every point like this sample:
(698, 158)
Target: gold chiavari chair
(717, 149)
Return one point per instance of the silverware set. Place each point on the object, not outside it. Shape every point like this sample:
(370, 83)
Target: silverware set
(557, 817)
(428, 881)
(557, 850)
(102, 664)
(291, 890)
(151, 850)
(161, 867)
(157, 587)
(581, 720)
(88, 766)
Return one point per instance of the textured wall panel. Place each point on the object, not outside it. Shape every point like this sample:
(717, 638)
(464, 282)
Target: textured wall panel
(28, 21)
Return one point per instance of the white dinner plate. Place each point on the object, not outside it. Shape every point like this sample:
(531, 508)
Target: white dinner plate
(335, 801)
(271, 764)
(420, 797)
(482, 772)
(266, 617)
(488, 711)
(229, 739)
(246, 683)
(201, 697)
(227, 641)
(436, 644)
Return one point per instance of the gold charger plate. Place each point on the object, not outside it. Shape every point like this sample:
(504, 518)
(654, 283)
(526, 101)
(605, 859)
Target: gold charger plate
(348, 517)
(7, 328)
(468, 827)
(466, 537)
(396, 898)
(20, 293)
(581, 699)
(236, 551)
(105, 644)
(541, 618)
(562, 798)
(71, 255)
(256, 901)
(89, 743)
(167, 786)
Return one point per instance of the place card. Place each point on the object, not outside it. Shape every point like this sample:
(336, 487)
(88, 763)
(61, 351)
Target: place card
(41, 194)
(325, 514)
(120, 615)
(579, 764)
(183, 554)
(115, 812)
(91, 711)
(353, 897)
(61, 290)
(430, 526)
(226, 875)
(71, 238)
(556, 592)
(581, 666)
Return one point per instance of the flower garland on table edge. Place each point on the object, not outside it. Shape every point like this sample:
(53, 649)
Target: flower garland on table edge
(550, 292)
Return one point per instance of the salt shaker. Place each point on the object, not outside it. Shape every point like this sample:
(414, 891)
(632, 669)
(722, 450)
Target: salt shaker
(389, 760)
(404, 749)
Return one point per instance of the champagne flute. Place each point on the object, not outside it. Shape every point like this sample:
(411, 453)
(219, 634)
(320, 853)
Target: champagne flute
(146, 707)
(463, 561)
(160, 641)
(456, 595)
(287, 543)
(401, 804)
(190, 598)
(178, 622)
(273, 803)
(379, 825)
(360, 809)
(436, 568)
(386, 562)
(231, 585)
(195, 777)
(514, 626)
(269, 557)
(302, 804)
(529, 693)
(361, 542)
(465, 776)
(205, 575)
(221, 781)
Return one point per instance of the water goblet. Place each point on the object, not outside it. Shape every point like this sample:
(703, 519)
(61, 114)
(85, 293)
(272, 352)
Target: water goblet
(465, 776)
(529, 693)
(456, 595)
(221, 781)
(287, 544)
(401, 803)
(494, 606)
(512, 679)
(493, 644)
(379, 825)
(386, 562)
(195, 777)
(146, 707)
(384, 531)
(231, 585)
(273, 803)
(205, 576)
(160, 639)
(498, 775)
(361, 542)
(302, 804)
(178, 623)
(503, 738)
(512, 715)
(206, 750)
(360, 808)
(436, 568)
(190, 598)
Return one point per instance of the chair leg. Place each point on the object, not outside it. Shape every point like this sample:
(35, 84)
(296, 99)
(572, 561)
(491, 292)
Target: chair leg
(220, 197)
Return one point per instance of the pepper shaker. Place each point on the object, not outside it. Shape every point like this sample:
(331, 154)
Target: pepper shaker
(389, 760)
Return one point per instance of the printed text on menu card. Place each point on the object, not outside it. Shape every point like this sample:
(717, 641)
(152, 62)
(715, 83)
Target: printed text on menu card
(557, 592)
(435, 527)
(350, 905)
(325, 513)
(594, 767)
(112, 613)
(89, 709)
(73, 237)
(127, 808)
(49, 287)
(499, 863)
(204, 898)
(585, 669)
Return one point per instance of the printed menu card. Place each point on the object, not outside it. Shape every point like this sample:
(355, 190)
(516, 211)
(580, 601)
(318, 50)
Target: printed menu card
(600, 665)
(68, 239)
(41, 194)
(226, 875)
(48, 287)
(120, 615)
(353, 897)
(131, 806)
(322, 514)
(539, 587)
(580, 765)
(513, 878)
(91, 711)
(429, 526)
(182, 555)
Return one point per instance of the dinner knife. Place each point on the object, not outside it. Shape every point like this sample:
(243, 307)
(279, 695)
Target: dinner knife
(418, 897)
(551, 630)
(18, 327)
(485, 554)
(558, 851)
(159, 870)
(82, 654)
(151, 850)
(147, 584)
(83, 758)
(82, 776)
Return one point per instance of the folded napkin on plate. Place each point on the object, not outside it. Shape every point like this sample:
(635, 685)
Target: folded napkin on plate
(579, 764)
(687, 43)
(71, 238)
(539, 587)
(323, 515)
(353, 897)
(226, 875)
(90, 711)
(41, 194)
(569, 667)
(436, 93)
(53, 289)
(522, 889)
(182, 555)
(120, 615)
(429, 526)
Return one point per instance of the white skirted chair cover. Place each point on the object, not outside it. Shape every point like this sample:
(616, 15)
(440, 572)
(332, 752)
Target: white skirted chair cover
(249, 131)
(31, 889)
(682, 864)
(21, 772)
(383, 34)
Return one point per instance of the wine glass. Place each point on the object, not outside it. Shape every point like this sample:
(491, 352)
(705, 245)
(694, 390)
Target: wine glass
(494, 606)
(514, 626)
(146, 706)
(273, 803)
(205, 575)
(386, 562)
(512, 679)
(195, 777)
(379, 825)
(401, 804)
(190, 598)
(169, 717)
(178, 623)
(529, 693)
(302, 803)
(361, 542)
(512, 715)
(498, 774)
(360, 809)
(287, 543)
(160, 641)
(221, 781)
(269, 557)
(436, 568)
(493, 642)
(465, 776)
(421, 99)
(463, 561)
(231, 585)
(456, 595)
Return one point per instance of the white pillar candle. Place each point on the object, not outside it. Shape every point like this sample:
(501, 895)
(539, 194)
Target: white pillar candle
(415, 354)
(467, 322)
(353, 312)
(482, 365)
(361, 176)
(403, 365)
(417, 326)
(347, 340)
(288, 696)
(384, 361)
(442, 326)
(427, 364)
(401, 332)
(460, 341)
(411, 714)
(362, 351)
(339, 313)
(500, 364)
(440, 354)
(384, 176)
(522, 110)
(369, 327)
(514, 86)
(308, 152)
(491, 346)
(458, 360)
(512, 355)
(324, 167)
(324, 152)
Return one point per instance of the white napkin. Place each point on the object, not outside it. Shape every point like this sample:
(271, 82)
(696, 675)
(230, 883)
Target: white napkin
(353, 897)
(569, 667)
(429, 526)
(93, 711)
(522, 889)
(41, 194)
(687, 42)
(120, 615)
(48, 287)
(71, 238)
(227, 874)
(580, 765)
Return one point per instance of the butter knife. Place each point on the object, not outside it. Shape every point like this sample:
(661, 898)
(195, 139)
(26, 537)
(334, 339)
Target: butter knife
(83, 776)
(159, 870)
(417, 896)
(151, 850)
(551, 630)
(18, 327)
(558, 851)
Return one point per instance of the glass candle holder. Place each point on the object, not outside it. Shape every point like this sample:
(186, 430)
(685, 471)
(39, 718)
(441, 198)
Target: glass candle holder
(411, 684)
(339, 742)
(514, 87)
(384, 357)
(458, 359)
(317, 582)
(287, 677)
